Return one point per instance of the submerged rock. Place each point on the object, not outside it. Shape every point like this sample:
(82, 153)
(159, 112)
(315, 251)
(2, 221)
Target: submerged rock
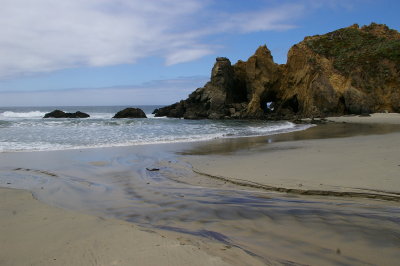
(348, 71)
(62, 114)
(130, 113)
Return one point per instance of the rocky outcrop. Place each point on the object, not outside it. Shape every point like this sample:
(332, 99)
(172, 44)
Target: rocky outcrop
(349, 71)
(62, 114)
(130, 113)
(213, 100)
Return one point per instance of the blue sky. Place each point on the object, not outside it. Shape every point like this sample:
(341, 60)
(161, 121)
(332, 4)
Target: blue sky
(131, 52)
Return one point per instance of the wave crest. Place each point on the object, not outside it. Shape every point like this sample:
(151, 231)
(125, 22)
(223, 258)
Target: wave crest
(32, 114)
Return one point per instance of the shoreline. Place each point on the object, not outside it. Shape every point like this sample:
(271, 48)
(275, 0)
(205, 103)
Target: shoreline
(72, 134)
(375, 118)
(388, 119)
(222, 223)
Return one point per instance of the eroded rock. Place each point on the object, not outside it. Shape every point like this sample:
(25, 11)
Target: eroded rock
(348, 71)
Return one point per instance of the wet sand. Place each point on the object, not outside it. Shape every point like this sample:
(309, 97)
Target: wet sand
(360, 166)
(33, 233)
(214, 214)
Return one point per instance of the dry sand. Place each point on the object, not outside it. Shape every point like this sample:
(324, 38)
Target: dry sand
(377, 118)
(367, 165)
(32, 233)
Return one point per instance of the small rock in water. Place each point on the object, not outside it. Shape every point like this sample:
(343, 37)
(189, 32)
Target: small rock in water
(62, 114)
(130, 113)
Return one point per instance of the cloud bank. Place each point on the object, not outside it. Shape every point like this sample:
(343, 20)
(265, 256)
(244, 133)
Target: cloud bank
(158, 92)
(47, 35)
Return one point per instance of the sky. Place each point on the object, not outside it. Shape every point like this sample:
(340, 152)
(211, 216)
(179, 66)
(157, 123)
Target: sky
(135, 52)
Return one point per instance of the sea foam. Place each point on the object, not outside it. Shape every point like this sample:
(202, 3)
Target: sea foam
(31, 114)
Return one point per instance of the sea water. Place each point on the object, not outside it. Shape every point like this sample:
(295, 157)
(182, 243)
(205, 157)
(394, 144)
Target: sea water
(25, 129)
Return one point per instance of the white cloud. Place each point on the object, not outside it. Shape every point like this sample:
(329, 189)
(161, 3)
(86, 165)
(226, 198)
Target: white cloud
(47, 35)
(276, 18)
(185, 55)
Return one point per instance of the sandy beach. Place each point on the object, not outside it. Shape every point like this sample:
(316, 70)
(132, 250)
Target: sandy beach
(33, 233)
(358, 164)
(376, 118)
(359, 161)
(327, 195)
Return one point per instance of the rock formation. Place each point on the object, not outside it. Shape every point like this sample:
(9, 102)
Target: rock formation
(130, 113)
(348, 71)
(61, 114)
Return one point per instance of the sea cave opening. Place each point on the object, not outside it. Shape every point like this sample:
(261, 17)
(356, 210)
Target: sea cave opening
(292, 104)
(268, 102)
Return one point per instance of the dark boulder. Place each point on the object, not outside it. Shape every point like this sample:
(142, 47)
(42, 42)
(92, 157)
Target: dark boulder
(79, 114)
(175, 110)
(61, 114)
(130, 113)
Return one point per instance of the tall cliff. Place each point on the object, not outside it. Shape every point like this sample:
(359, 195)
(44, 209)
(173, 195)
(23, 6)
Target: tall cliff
(348, 71)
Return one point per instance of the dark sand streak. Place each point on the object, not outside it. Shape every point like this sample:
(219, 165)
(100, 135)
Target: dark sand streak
(245, 183)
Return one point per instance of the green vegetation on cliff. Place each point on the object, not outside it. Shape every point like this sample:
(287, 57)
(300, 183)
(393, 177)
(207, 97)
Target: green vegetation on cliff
(360, 50)
(351, 47)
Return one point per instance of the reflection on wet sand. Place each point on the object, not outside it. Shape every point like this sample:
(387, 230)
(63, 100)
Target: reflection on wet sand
(325, 131)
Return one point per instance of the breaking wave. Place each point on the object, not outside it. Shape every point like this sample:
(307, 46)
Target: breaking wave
(31, 114)
(25, 130)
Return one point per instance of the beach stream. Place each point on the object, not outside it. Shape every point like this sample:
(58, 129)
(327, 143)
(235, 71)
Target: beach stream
(153, 186)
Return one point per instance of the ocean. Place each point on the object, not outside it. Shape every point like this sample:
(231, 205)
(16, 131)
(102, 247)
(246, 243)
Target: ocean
(24, 129)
